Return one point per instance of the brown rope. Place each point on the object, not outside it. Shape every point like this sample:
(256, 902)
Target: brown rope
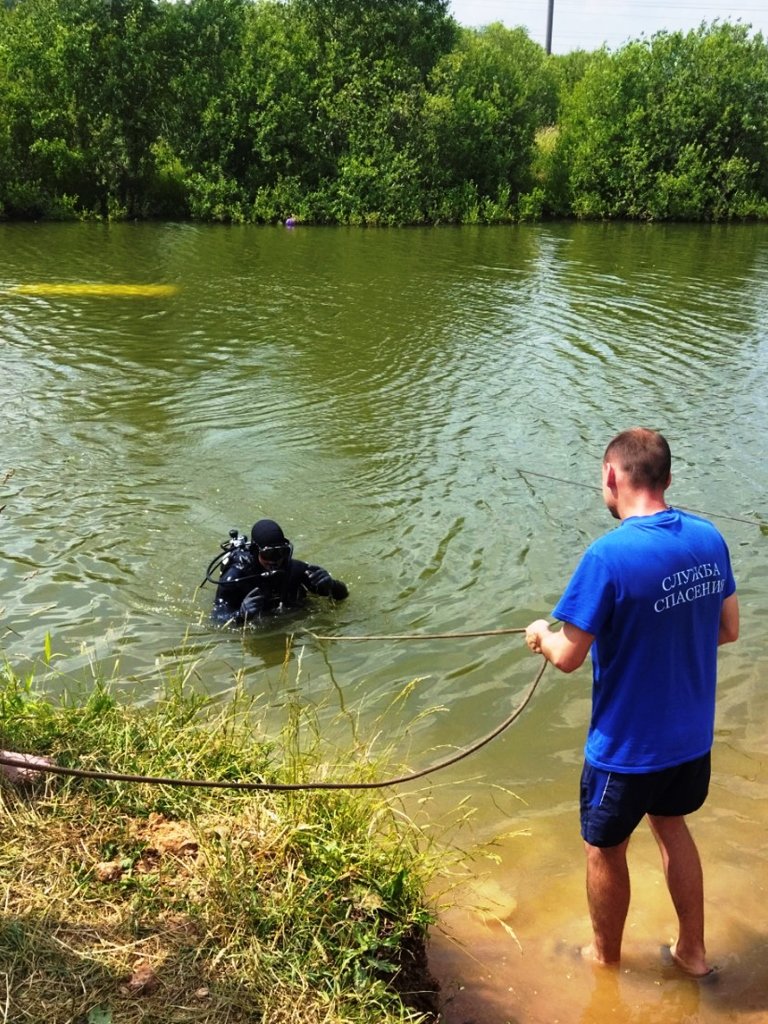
(419, 636)
(84, 773)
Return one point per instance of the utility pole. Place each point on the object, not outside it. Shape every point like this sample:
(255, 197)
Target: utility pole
(550, 12)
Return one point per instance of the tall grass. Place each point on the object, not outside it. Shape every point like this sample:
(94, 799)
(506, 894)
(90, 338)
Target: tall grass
(131, 902)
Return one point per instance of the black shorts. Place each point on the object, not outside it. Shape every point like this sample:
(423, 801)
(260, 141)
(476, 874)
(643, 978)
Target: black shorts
(614, 803)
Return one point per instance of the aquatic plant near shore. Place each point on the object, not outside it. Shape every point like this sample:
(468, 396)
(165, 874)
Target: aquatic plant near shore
(151, 903)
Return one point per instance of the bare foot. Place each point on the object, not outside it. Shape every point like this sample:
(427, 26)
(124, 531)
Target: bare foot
(695, 968)
(590, 954)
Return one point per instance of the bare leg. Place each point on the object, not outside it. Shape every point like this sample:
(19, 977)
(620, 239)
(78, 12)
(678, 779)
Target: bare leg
(608, 892)
(685, 881)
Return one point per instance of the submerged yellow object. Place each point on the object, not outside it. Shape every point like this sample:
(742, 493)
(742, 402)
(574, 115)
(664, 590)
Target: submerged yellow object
(152, 291)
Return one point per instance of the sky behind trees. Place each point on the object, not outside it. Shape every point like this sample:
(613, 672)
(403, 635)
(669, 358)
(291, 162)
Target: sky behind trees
(587, 24)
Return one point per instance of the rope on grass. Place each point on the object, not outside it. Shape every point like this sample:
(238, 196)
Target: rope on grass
(83, 773)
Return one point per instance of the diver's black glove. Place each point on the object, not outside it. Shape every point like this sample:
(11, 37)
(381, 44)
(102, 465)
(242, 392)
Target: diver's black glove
(323, 584)
(339, 590)
(320, 581)
(252, 606)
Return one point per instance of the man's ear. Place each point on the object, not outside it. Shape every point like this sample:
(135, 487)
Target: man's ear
(609, 476)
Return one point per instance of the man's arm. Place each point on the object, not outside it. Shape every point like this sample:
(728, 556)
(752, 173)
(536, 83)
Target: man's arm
(566, 649)
(224, 612)
(234, 585)
(729, 621)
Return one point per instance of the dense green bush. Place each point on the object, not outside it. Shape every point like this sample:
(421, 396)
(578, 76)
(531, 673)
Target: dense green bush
(344, 111)
(487, 99)
(675, 127)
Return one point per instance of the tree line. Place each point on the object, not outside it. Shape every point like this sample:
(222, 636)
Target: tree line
(352, 112)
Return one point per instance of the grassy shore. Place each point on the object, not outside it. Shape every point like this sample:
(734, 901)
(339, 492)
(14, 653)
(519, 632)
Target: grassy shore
(141, 903)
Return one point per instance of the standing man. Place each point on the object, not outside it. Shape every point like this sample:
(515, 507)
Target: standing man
(653, 600)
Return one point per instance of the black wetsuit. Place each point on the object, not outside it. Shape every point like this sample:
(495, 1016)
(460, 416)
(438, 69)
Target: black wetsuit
(247, 591)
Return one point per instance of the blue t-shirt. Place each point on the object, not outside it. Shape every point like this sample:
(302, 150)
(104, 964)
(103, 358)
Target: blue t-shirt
(651, 592)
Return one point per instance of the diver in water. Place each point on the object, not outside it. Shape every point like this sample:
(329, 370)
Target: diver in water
(261, 577)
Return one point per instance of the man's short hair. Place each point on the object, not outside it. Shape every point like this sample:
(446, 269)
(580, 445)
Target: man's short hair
(644, 456)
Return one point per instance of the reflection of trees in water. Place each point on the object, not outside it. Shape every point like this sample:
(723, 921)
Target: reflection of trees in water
(698, 285)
